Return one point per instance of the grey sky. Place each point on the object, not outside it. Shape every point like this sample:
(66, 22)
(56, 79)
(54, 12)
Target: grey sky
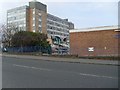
(83, 13)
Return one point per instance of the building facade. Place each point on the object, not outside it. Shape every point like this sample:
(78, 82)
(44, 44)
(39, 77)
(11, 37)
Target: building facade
(35, 18)
(97, 41)
(17, 17)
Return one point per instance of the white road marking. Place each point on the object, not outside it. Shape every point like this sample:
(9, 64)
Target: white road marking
(32, 67)
(83, 74)
(97, 76)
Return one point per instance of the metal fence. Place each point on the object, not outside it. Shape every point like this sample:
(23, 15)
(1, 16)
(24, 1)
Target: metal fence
(30, 49)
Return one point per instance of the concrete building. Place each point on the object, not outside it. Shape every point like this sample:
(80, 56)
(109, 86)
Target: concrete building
(96, 41)
(18, 17)
(35, 18)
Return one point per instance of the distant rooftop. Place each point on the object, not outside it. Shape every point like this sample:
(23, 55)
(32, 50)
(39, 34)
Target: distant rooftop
(33, 1)
(116, 28)
(17, 8)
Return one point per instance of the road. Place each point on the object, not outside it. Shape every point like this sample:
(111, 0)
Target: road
(33, 73)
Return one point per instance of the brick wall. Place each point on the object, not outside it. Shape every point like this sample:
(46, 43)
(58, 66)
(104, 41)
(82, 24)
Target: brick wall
(104, 42)
(30, 20)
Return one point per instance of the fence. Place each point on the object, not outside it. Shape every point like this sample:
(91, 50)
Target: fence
(30, 49)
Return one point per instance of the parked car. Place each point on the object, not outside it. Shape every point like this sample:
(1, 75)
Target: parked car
(4, 49)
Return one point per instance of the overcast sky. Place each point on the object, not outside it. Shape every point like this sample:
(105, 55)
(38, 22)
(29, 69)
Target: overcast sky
(83, 13)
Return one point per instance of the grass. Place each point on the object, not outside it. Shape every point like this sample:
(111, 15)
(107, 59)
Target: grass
(67, 56)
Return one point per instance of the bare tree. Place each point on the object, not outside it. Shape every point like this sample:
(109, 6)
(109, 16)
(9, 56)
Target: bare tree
(7, 33)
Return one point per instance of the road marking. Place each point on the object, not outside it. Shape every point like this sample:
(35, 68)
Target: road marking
(83, 74)
(32, 67)
(93, 75)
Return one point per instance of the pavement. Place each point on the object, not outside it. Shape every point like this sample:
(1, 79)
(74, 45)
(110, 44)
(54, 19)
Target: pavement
(70, 60)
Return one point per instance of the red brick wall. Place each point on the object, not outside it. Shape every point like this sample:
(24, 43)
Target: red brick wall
(104, 43)
(30, 20)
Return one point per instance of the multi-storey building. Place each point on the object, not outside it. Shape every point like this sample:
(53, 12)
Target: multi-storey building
(35, 18)
(17, 17)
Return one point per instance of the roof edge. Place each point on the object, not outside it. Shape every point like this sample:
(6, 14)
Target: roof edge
(116, 28)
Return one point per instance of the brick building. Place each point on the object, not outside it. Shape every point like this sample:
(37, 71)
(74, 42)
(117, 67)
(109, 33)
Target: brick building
(97, 41)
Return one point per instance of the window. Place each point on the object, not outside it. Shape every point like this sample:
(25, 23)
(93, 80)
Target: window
(24, 25)
(33, 21)
(33, 27)
(39, 14)
(33, 11)
(33, 24)
(40, 20)
(33, 18)
(33, 30)
(40, 29)
(39, 25)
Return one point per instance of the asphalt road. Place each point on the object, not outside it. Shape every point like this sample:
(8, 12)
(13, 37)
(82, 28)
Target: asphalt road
(29, 73)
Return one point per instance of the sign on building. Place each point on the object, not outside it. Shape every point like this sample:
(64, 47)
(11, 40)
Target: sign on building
(90, 49)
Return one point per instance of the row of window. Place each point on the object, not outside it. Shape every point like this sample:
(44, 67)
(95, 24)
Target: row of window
(40, 23)
(57, 33)
(35, 13)
(16, 12)
(57, 23)
(58, 26)
(22, 22)
(39, 29)
(51, 17)
(17, 17)
(57, 29)
(22, 28)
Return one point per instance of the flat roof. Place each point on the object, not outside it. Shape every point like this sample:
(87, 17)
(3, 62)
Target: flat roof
(17, 8)
(116, 28)
(48, 14)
